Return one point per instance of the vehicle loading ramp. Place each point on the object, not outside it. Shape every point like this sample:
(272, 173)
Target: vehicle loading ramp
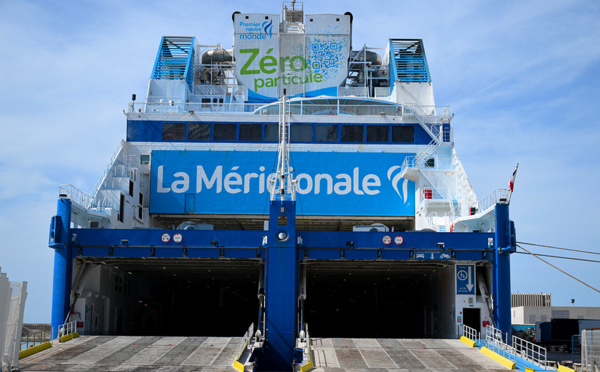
(169, 354)
(398, 355)
(132, 353)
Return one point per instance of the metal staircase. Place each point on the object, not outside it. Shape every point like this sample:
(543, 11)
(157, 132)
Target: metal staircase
(175, 60)
(408, 61)
(440, 134)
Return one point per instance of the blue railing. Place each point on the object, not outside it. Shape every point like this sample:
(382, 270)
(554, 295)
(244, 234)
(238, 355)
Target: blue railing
(408, 62)
(175, 60)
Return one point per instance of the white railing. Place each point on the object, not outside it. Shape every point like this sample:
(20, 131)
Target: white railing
(438, 223)
(307, 353)
(471, 333)
(63, 330)
(432, 111)
(165, 106)
(420, 161)
(530, 351)
(430, 117)
(354, 91)
(102, 203)
(245, 341)
(497, 196)
(495, 341)
(125, 171)
(75, 195)
(34, 338)
(108, 168)
(210, 90)
(382, 92)
(590, 350)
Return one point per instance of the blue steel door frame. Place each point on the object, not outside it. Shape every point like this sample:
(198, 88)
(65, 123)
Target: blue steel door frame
(281, 288)
(281, 259)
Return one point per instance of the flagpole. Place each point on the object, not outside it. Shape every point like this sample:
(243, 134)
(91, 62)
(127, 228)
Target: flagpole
(511, 191)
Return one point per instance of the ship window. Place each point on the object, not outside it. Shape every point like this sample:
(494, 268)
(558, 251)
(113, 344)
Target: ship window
(301, 133)
(173, 132)
(145, 159)
(250, 132)
(271, 132)
(326, 133)
(199, 132)
(130, 188)
(404, 133)
(121, 214)
(377, 133)
(141, 202)
(352, 133)
(224, 132)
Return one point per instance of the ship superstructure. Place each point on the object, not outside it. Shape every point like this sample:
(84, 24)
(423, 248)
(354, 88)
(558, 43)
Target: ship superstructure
(373, 230)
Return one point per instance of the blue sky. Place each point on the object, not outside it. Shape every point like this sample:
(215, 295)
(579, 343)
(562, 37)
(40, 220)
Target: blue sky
(521, 77)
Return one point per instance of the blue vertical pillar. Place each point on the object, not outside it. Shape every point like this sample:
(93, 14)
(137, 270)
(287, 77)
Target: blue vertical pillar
(505, 245)
(60, 240)
(281, 288)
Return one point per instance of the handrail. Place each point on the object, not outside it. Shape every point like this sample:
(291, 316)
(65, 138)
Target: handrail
(530, 351)
(471, 333)
(34, 339)
(107, 169)
(497, 196)
(107, 200)
(494, 340)
(245, 341)
(310, 364)
(63, 330)
(75, 195)
(426, 115)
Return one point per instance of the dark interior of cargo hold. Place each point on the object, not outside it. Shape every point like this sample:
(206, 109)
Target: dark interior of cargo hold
(174, 297)
(378, 299)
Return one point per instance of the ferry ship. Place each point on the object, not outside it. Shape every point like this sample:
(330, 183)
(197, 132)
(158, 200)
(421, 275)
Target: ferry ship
(297, 178)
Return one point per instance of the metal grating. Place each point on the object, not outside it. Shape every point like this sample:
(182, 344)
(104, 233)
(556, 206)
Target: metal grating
(175, 60)
(408, 61)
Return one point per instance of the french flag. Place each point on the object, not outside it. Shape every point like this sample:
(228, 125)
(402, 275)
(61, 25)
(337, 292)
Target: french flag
(511, 182)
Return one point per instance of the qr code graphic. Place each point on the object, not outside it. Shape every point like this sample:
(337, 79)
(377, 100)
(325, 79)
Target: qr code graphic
(325, 56)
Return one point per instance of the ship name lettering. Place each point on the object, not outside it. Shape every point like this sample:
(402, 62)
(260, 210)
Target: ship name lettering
(235, 182)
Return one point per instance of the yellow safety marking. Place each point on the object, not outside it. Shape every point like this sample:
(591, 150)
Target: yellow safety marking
(527, 369)
(239, 366)
(468, 341)
(565, 369)
(34, 349)
(310, 365)
(498, 358)
(236, 364)
(68, 337)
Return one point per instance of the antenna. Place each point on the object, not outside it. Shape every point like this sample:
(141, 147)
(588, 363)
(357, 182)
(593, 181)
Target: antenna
(284, 181)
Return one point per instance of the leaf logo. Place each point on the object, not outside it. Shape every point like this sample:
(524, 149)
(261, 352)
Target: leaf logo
(395, 180)
(268, 27)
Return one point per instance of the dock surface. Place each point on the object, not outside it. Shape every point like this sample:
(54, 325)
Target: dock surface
(174, 354)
